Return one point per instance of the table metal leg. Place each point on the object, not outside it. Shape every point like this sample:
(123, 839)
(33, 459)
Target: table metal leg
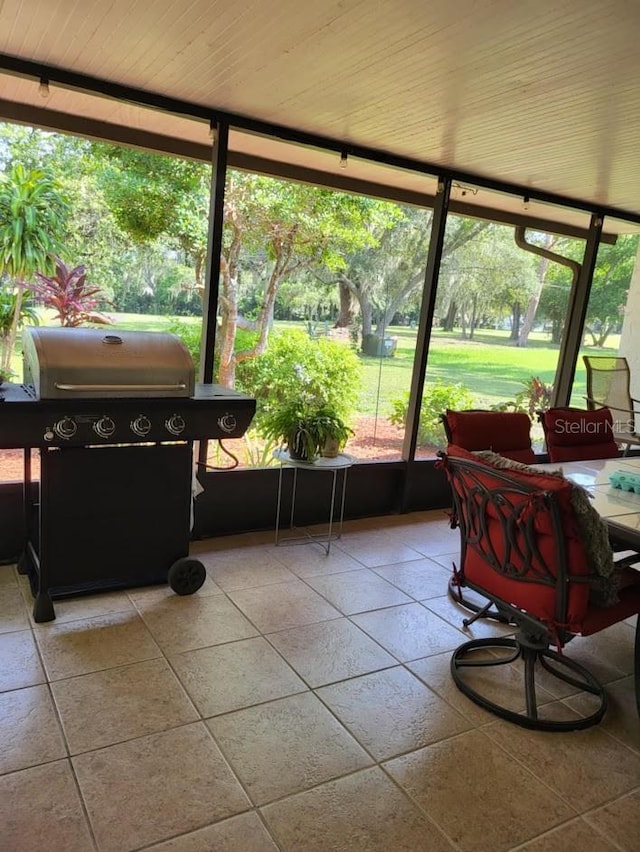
(320, 538)
(278, 506)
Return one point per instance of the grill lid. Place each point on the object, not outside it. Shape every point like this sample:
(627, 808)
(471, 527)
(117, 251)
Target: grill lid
(95, 362)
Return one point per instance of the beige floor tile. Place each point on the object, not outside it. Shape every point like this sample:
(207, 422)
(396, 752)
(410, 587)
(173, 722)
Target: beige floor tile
(586, 767)
(447, 560)
(110, 706)
(435, 671)
(421, 579)
(391, 712)
(410, 631)
(375, 548)
(89, 645)
(330, 651)
(89, 606)
(243, 833)
(184, 623)
(242, 570)
(286, 746)
(156, 787)
(466, 785)
(575, 835)
(432, 539)
(364, 812)
(29, 729)
(283, 605)
(621, 718)
(238, 674)
(14, 614)
(7, 575)
(358, 591)
(454, 613)
(40, 808)
(19, 661)
(502, 684)
(608, 654)
(312, 560)
(620, 821)
(145, 595)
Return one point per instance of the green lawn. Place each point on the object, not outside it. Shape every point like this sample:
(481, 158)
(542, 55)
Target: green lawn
(490, 366)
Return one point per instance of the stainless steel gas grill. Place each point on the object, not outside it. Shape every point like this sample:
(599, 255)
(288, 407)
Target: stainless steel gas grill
(114, 415)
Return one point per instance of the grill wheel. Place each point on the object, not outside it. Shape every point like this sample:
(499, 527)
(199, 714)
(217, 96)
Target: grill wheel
(186, 576)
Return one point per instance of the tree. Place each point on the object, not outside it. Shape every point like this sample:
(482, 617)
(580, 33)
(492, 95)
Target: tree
(279, 228)
(153, 196)
(32, 216)
(483, 273)
(385, 279)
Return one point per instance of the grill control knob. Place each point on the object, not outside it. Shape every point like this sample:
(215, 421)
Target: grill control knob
(141, 425)
(65, 428)
(105, 427)
(228, 423)
(175, 424)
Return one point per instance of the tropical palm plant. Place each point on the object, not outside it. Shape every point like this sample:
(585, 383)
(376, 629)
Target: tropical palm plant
(28, 314)
(33, 210)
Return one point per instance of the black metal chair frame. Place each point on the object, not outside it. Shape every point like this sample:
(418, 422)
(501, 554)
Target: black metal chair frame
(514, 505)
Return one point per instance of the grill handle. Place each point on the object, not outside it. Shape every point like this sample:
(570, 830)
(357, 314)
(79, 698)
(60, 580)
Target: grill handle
(138, 388)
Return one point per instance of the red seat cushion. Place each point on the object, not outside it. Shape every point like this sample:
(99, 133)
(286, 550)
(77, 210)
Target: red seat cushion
(504, 432)
(573, 434)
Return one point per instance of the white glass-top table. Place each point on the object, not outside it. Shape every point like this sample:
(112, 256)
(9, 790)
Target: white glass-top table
(341, 462)
(620, 509)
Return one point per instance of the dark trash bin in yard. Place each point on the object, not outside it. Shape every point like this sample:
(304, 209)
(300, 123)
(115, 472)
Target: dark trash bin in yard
(379, 347)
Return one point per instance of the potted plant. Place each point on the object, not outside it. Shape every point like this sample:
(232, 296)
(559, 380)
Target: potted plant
(305, 426)
(332, 432)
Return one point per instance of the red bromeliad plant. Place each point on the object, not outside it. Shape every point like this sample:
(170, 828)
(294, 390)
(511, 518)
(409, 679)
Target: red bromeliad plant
(68, 294)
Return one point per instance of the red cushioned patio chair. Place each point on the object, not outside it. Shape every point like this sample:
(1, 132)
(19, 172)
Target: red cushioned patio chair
(573, 434)
(523, 547)
(505, 432)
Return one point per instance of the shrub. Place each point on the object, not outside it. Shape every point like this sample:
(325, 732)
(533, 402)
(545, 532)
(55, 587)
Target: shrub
(296, 366)
(435, 400)
(190, 334)
(536, 396)
(67, 293)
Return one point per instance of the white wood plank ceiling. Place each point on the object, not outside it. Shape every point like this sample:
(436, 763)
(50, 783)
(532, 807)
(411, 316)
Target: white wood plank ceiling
(543, 95)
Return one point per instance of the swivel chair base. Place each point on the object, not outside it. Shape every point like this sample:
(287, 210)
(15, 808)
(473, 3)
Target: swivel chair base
(554, 664)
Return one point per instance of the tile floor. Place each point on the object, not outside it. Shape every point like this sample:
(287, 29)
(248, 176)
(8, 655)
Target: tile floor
(299, 702)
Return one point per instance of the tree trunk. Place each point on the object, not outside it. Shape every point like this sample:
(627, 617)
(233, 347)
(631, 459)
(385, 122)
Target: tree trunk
(450, 318)
(534, 301)
(346, 315)
(10, 340)
(516, 316)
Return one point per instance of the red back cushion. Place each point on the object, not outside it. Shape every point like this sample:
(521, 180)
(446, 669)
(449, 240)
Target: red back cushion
(573, 434)
(504, 432)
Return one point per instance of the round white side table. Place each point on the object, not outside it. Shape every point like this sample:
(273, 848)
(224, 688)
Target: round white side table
(340, 462)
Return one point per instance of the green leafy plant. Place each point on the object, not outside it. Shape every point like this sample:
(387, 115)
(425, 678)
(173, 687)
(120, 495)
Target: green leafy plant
(306, 426)
(28, 315)
(536, 396)
(435, 400)
(305, 391)
(69, 296)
